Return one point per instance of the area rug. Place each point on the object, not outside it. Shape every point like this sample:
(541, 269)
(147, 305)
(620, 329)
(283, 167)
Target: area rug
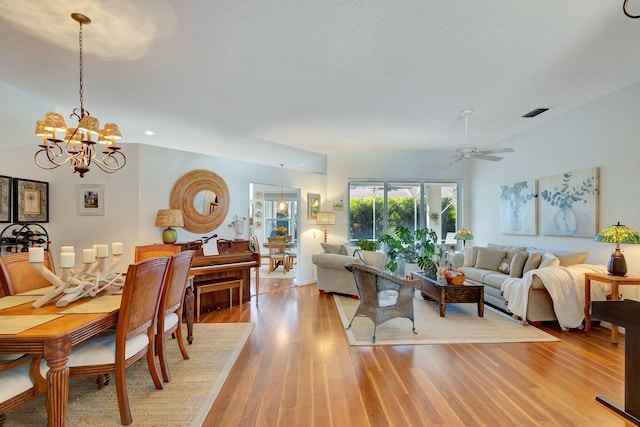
(185, 401)
(461, 324)
(278, 273)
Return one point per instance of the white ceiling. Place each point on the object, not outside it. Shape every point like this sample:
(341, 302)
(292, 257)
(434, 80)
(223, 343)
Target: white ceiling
(236, 77)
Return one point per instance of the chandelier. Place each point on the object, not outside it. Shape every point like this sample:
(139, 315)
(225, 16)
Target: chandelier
(282, 205)
(78, 147)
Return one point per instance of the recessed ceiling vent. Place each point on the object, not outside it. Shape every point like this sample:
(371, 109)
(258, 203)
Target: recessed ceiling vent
(535, 112)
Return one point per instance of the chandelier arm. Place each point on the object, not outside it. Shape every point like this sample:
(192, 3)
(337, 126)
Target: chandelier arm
(626, 11)
(111, 162)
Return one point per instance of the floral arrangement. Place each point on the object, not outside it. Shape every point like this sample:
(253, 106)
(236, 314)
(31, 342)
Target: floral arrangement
(236, 220)
(281, 231)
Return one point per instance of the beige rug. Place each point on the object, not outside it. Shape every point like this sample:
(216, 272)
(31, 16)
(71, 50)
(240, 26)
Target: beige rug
(461, 324)
(185, 401)
(278, 273)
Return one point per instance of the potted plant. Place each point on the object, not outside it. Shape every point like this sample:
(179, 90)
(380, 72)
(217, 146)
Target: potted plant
(368, 245)
(238, 226)
(419, 247)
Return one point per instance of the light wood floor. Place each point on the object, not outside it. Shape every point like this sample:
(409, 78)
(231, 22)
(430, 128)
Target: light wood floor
(297, 369)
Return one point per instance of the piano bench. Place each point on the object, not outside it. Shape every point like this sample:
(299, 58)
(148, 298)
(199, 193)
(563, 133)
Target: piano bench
(218, 285)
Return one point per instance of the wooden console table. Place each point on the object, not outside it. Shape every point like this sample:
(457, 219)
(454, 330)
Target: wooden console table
(615, 282)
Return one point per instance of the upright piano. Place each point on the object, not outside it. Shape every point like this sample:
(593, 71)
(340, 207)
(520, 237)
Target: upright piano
(234, 261)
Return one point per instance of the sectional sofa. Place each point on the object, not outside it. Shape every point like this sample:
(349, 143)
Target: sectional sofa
(494, 264)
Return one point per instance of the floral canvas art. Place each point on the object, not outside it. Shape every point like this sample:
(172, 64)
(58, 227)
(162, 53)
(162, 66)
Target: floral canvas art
(569, 204)
(518, 208)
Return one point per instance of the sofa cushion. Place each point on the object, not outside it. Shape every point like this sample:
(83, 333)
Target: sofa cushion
(331, 248)
(349, 250)
(470, 256)
(476, 274)
(533, 261)
(489, 259)
(517, 263)
(495, 280)
(572, 258)
(548, 260)
(334, 261)
(504, 267)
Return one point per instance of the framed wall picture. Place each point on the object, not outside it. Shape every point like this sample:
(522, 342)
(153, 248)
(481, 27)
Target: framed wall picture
(518, 208)
(90, 199)
(313, 205)
(30, 201)
(5, 199)
(569, 204)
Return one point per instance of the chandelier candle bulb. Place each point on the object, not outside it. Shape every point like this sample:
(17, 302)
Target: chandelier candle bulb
(67, 259)
(102, 251)
(88, 256)
(64, 249)
(116, 248)
(36, 254)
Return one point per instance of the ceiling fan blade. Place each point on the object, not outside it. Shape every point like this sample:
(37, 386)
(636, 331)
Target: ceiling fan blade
(485, 157)
(497, 150)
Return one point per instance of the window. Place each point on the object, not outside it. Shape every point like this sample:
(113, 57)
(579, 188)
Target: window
(376, 207)
(275, 220)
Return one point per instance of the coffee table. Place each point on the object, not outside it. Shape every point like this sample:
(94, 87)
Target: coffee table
(444, 293)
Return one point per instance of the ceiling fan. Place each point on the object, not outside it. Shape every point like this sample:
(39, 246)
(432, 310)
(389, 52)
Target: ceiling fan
(468, 151)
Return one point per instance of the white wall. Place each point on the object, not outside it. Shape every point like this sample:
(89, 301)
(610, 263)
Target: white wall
(603, 134)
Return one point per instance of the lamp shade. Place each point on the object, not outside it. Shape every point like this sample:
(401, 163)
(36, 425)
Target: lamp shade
(463, 234)
(617, 234)
(326, 218)
(169, 218)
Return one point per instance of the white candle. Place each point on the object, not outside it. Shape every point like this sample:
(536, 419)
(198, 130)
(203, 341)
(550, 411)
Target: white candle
(116, 248)
(102, 251)
(67, 259)
(64, 249)
(36, 254)
(88, 256)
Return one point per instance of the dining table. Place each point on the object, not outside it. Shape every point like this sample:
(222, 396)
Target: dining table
(51, 332)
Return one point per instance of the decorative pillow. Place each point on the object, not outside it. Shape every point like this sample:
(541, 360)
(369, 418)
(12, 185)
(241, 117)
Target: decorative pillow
(489, 259)
(350, 250)
(331, 248)
(504, 267)
(533, 261)
(572, 258)
(517, 263)
(548, 260)
(470, 256)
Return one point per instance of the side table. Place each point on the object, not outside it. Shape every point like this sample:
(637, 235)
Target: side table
(615, 282)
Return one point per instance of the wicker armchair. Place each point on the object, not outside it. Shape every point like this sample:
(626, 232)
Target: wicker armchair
(382, 296)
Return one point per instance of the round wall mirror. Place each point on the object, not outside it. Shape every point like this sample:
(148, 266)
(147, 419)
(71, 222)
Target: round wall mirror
(203, 198)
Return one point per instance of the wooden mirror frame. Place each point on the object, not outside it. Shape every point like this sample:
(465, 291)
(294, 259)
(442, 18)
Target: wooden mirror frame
(184, 192)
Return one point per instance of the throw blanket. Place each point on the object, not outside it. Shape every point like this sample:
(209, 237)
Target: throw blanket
(566, 288)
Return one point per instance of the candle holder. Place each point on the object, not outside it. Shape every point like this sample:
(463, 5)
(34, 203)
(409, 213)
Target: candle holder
(91, 279)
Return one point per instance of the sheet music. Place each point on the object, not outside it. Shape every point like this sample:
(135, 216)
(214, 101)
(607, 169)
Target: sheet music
(210, 248)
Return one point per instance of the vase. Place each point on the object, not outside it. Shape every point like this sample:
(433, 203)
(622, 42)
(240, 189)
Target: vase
(516, 219)
(238, 227)
(566, 221)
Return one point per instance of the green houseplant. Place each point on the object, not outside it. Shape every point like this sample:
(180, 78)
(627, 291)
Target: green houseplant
(368, 245)
(419, 247)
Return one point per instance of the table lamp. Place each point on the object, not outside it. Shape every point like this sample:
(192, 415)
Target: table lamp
(617, 234)
(326, 218)
(463, 234)
(169, 218)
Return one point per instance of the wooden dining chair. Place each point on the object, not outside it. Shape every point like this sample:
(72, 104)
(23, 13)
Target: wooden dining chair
(114, 350)
(143, 252)
(277, 253)
(20, 380)
(17, 275)
(170, 312)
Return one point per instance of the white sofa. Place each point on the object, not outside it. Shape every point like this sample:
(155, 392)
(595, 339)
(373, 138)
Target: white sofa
(493, 264)
(331, 274)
